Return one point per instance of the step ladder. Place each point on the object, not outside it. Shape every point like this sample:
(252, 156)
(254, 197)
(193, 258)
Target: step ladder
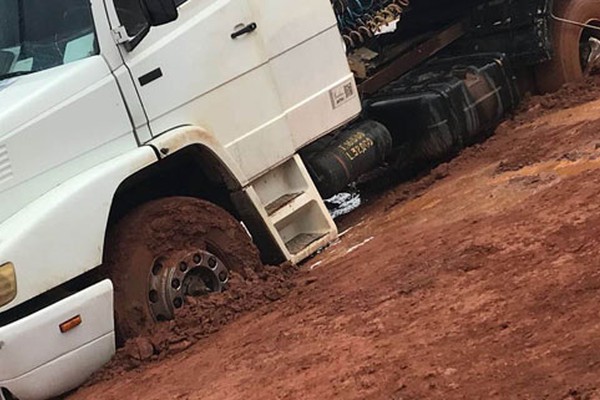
(289, 202)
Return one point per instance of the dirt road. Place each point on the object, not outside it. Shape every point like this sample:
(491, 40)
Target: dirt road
(478, 281)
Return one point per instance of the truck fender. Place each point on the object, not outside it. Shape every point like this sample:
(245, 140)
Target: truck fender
(71, 218)
(178, 138)
(236, 181)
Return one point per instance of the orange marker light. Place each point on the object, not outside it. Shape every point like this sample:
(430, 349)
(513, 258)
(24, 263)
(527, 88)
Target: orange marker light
(70, 324)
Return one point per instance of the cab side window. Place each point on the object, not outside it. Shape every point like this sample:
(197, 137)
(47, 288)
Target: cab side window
(131, 16)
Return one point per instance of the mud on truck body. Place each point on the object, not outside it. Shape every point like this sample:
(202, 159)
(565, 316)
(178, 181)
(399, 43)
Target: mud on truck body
(151, 148)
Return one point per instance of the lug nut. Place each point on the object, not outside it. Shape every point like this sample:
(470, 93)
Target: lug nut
(175, 283)
(153, 295)
(178, 302)
(197, 259)
(183, 266)
(223, 276)
(156, 268)
(212, 262)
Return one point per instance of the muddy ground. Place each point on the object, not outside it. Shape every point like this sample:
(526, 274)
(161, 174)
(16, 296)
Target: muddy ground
(480, 280)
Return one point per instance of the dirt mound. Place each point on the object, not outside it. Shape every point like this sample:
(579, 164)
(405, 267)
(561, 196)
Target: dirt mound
(479, 280)
(201, 317)
(570, 95)
(525, 150)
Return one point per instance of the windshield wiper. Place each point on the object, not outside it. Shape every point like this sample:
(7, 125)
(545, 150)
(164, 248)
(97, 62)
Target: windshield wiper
(14, 74)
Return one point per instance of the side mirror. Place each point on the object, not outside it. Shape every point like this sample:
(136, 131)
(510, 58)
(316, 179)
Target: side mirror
(159, 12)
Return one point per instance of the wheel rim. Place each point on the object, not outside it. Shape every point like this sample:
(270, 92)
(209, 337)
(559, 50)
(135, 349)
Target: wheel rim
(173, 280)
(589, 47)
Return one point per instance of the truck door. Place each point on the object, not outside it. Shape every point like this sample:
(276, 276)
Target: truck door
(309, 65)
(192, 71)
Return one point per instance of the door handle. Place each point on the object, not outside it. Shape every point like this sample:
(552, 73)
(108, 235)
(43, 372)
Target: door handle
(251, 27)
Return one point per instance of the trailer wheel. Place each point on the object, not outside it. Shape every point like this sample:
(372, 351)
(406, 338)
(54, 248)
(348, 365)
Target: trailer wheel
(169, 250)
(572, 44)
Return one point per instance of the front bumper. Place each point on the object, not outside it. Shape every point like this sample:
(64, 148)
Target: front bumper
(38, 361)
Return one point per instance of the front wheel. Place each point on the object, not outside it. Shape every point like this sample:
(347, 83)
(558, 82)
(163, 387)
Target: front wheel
(169, 250)
(574, 45)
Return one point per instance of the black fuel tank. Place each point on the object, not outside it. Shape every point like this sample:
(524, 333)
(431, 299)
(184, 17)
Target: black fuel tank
(337, 160)
(446, 104)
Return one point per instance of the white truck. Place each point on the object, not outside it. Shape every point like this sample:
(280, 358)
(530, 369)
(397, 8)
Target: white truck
(148, 148)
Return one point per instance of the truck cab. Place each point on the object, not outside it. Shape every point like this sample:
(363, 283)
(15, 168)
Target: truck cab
(95, 97)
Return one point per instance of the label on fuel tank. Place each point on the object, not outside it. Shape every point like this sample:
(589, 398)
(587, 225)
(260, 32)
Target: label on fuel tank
(341, 94)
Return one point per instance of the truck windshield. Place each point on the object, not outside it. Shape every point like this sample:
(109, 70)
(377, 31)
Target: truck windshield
(39, 34)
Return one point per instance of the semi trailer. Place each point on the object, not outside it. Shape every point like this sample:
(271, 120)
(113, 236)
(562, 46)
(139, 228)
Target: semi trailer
(149, 149)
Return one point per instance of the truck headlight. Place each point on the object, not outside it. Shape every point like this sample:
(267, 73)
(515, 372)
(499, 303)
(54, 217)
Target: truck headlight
(8, 283)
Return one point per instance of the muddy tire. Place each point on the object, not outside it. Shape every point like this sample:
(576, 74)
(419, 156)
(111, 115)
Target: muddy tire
(163, 233)
(566, 65)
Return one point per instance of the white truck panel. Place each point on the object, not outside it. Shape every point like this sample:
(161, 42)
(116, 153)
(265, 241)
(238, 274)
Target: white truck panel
(284, 24)
(60, 235)
(307, 89)
(37, 361)
(64, 373)
(135, 107)
(228, 87)
(249, 92)
(54, 117)
(254, 136)
(184, 136)
(240, 123)
(307, 61)
(198, 47)
(40, 333)
(17, 197)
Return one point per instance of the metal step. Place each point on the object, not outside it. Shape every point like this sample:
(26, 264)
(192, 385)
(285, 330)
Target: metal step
(302, 241)
(294, 211)
(281, 202)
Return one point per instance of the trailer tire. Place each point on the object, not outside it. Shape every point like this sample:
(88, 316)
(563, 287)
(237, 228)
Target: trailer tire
(169, 230)
(565, 65)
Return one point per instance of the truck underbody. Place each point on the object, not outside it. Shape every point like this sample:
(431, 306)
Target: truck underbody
(389, 29)
(439, 75)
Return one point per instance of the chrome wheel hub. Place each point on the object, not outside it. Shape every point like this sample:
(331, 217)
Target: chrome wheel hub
(173, 280)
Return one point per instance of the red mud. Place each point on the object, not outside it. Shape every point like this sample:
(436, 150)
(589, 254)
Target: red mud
(203, 317)
(479, 281)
